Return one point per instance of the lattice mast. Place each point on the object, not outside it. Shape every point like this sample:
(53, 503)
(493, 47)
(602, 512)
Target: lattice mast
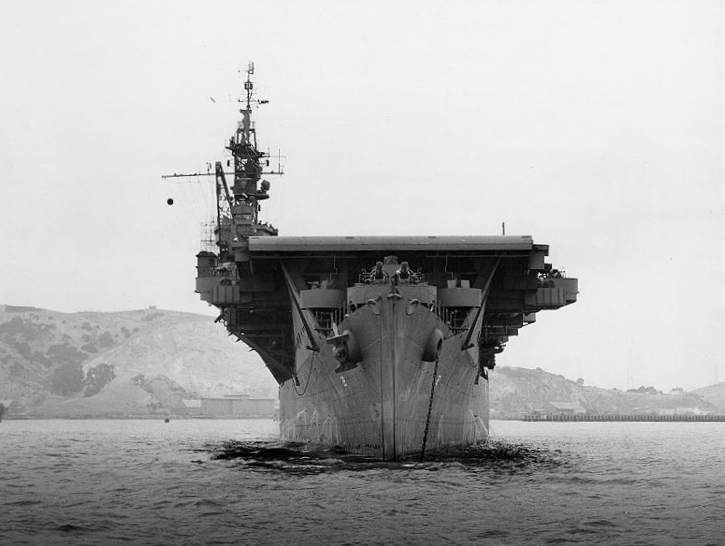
(238, 208)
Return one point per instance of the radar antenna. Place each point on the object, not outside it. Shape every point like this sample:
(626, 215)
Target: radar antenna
(238, 200)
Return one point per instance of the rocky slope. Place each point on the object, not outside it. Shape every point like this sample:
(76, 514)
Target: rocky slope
(113, 364)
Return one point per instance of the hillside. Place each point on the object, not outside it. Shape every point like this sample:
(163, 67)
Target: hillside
(125, 363)
(146, 362)
(714, 394)
(518, 391)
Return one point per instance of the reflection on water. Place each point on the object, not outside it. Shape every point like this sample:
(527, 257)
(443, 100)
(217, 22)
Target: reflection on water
(495, 455)
(232, 482)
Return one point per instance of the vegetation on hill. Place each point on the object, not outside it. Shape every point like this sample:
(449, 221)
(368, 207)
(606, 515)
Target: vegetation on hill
(714, 394)
(147, 362)
(112, 364)
(518, 391)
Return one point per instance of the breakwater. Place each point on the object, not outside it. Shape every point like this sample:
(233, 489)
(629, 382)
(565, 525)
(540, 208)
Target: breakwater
(584, 417)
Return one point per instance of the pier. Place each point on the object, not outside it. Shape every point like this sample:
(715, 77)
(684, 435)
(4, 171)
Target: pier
(563, 417)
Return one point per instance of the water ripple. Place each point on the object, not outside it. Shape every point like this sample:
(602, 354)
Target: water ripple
(227, 482)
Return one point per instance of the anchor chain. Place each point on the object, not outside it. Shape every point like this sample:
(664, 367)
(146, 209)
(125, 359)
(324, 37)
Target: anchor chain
(430, 407)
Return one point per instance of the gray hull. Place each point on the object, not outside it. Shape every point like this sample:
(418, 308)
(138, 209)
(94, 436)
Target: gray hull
(392, 403)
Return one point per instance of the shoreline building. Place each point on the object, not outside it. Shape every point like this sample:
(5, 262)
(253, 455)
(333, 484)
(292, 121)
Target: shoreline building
(238, 405)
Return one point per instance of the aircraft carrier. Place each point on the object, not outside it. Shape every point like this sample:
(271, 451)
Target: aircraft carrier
(381, 346)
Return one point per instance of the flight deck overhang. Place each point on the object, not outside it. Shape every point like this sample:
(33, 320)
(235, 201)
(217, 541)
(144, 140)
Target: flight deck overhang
(447, 243)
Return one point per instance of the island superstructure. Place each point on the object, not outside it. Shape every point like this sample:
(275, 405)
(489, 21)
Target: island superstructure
(381, 345)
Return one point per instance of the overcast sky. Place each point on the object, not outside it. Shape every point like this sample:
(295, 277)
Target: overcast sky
(596, 127)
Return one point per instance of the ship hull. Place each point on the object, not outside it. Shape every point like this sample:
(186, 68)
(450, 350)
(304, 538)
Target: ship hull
(392, 403)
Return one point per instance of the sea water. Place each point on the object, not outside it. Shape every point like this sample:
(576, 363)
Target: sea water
(231, 482)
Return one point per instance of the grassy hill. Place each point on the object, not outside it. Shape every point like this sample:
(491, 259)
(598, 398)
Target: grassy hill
(518, 391)
(126, 363)
(714, 394)
(146, 362)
